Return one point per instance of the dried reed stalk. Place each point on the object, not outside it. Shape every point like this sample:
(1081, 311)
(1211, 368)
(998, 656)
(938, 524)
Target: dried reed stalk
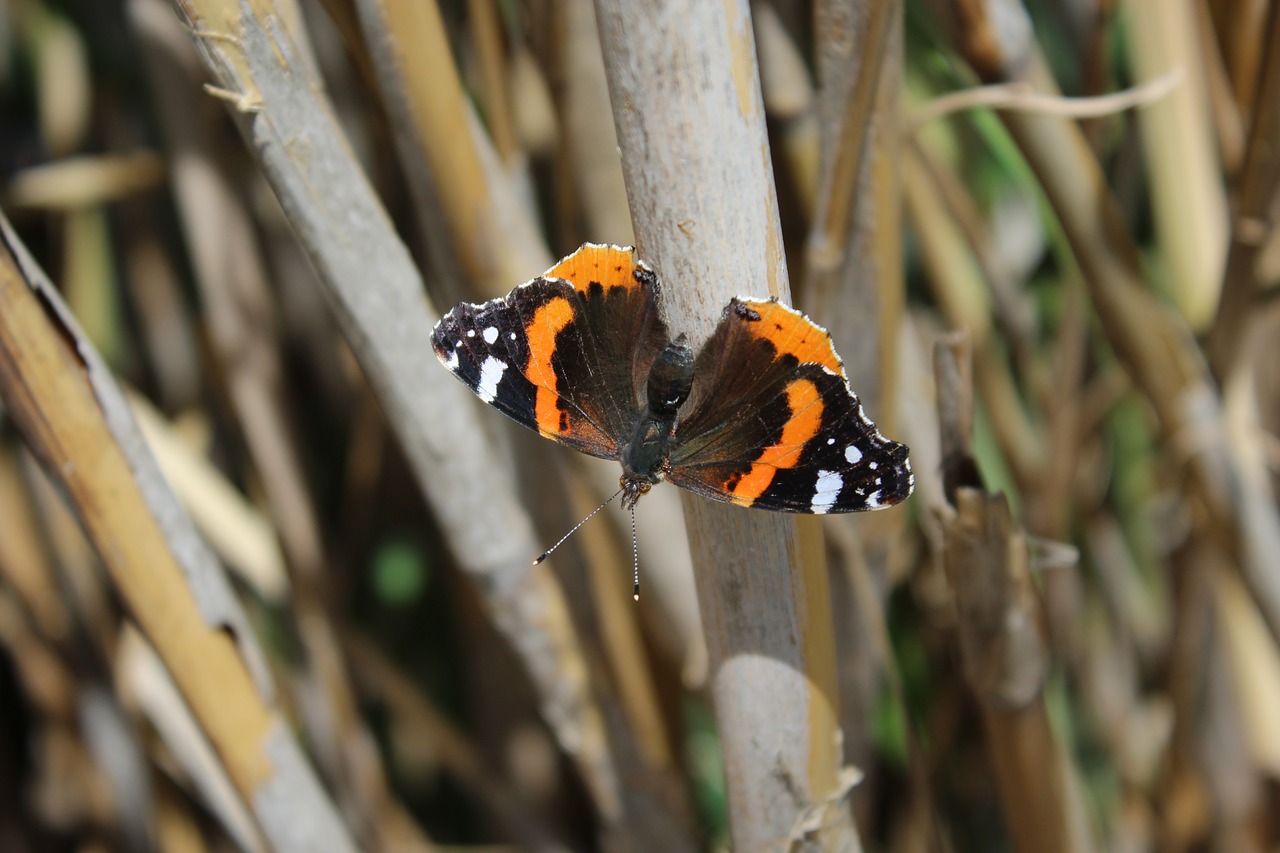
(75, 419)
(690, 123)
(377, 294)
(1002, 647)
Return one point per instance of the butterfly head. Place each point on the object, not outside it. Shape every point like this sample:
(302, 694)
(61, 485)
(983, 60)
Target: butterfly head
(634, 487)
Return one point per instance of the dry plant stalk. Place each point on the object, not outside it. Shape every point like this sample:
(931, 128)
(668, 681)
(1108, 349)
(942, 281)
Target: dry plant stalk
(377, 294)
(691, 128)
(232, 278)
(1254, 219)
(854, 284)
(75, 419)
(1188, 198)
(452, 164)
(1001, 639)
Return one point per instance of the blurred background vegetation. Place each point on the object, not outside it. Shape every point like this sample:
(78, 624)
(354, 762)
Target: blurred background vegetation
(1096, 668)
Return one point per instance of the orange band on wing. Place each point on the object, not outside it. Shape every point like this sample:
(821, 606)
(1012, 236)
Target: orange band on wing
(795, 334)
(806, 418)
(611, 266)
(547, 322)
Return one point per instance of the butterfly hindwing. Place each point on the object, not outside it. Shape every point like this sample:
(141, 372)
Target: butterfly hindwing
(562, 354)
(773, 424)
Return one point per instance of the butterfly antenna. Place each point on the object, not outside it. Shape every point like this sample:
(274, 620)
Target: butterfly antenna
(547, 553)
(635, 559)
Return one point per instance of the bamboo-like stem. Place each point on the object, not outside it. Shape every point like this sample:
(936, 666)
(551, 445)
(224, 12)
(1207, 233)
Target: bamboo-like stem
(589, 146)
(1243, 47)
(854, 286)
(1228, 118)
(486, 33)
(447, 156)
(657, 802)
(844, 154)
(790, 101)
(1001, 641)
(1188, 199)
(232, 278)
(1254, 217)
(853, 280)
(690, 124)
(377, 295)
(1048, 513)
(76, 420)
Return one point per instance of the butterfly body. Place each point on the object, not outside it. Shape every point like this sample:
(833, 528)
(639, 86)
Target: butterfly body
(646, 457)
(761, 416)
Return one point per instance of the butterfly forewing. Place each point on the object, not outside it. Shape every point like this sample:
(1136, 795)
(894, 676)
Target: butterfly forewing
(772, 423)
(561, 354)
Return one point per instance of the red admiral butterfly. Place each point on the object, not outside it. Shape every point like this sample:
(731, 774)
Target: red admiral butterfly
(763, 416)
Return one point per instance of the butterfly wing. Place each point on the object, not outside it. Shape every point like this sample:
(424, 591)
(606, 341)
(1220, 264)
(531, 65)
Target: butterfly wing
(773, 424)
(561, 354)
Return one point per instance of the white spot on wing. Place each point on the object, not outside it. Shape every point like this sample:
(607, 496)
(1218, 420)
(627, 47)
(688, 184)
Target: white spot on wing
(490, 335)
(873, 499)
(452, 361)
(511, 335)
(853, 454)
(826, 492)
(490, 375)
(471, 333)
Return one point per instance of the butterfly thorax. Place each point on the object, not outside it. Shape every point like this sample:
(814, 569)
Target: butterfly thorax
(644, 457)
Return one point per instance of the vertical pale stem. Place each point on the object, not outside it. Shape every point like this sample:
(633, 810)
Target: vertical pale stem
(1188, 199)
(690, 122)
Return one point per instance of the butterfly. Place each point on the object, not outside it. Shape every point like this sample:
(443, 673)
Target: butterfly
(761, 416)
